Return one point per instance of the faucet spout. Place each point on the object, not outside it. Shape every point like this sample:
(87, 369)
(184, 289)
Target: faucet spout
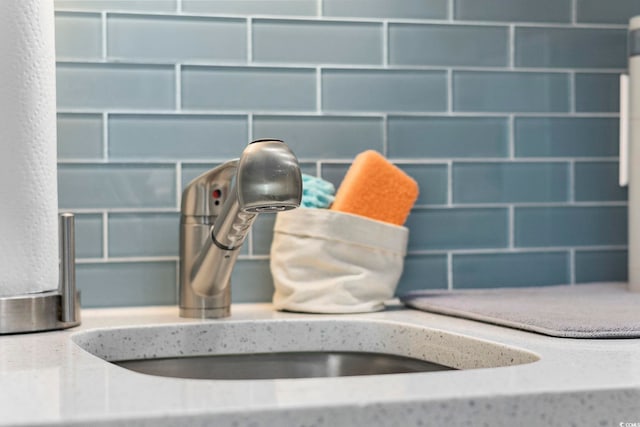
(267, 179)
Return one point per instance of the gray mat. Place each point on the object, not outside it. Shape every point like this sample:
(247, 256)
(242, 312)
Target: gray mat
(595, 310)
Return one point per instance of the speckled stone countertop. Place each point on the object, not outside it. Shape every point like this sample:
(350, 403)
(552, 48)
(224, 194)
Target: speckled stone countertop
(49, 379)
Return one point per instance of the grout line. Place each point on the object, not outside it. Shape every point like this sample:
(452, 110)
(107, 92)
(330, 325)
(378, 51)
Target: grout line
(512, 46)
(450, 11)
(318, 89)
(450, 271)
(103, 21)
(250, 135)
(512, 136)
(105, 137)
(121, 210)
(314, 113)
(449, 91)
(385, 135)
(249, 40)
(385, 44)
(512, 231)
(335, 66)
(574, 12)
(178, 84)
(572, 266)
(126, 259)
(401, 160)
(319, 8)
(502, 251)
(572, 92)
(503, 205)
(179, 6)
(572, 181)
(105, 235)
(276, 17)
(450, 183)
(178, 184)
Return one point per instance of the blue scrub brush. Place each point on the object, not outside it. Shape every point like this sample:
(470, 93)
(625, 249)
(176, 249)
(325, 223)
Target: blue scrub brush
(316, 192)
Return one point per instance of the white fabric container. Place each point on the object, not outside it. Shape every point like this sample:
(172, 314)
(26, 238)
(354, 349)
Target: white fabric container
(324, 261)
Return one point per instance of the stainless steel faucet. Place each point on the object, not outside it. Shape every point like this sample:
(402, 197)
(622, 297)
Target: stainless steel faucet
(218, 209)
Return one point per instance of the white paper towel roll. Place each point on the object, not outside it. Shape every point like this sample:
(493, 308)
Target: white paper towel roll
(28, 183)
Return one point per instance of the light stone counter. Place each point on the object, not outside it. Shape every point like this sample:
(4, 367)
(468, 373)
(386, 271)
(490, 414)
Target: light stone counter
(47, 379)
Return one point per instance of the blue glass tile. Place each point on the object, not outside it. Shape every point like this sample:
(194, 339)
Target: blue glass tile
(150, 234)
(88, 236)
(117, 5)
(116, 186)
(262, 234)
(201, 137)
(510, 182)
(597, 92)
(571, 47)
(423, 272)
(252, 7)
(317, 42)
(601, 266)
(607, 12)
(171, 38)
(598, 181)
(118, 284)
(387, 90)
(432, 181)
(251, 281)
(115, 86)
(248, 88)
(510, 91)
(446, 137)
(471, 45)
(322, 137)
(513, 10)
(566, 137)
(411, 9)
(79, 136)
(510, 270)
(457, 228)
(570, 226)
(78, 35)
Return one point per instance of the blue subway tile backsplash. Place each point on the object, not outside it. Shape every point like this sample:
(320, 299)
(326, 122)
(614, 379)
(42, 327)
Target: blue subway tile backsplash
(571, 47)
(503, 182)
(314, 42)
(447, 137)
(79, 35)
(384, 90)
(506, 91)
(566, 136)
(407, 9)
(80, 136)
(248, 88)
(114, 86)
(514, 10)
(504, 111)
(176, 38)
(510, 269)
(480, 45)
(176, 136)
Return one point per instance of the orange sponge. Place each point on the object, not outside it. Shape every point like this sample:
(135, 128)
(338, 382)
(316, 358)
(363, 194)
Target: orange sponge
(376, 189)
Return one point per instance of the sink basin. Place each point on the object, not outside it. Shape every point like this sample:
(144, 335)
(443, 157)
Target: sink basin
(293, 348)
(260, 366)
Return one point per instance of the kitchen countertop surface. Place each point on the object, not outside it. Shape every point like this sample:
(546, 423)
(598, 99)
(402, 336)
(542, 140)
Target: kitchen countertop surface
(47, 379)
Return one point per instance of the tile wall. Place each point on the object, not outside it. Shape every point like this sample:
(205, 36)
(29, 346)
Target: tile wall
(505, 111)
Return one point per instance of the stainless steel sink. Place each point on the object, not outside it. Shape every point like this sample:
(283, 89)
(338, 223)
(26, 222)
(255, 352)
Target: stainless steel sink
(257, 366)
(304, 347)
